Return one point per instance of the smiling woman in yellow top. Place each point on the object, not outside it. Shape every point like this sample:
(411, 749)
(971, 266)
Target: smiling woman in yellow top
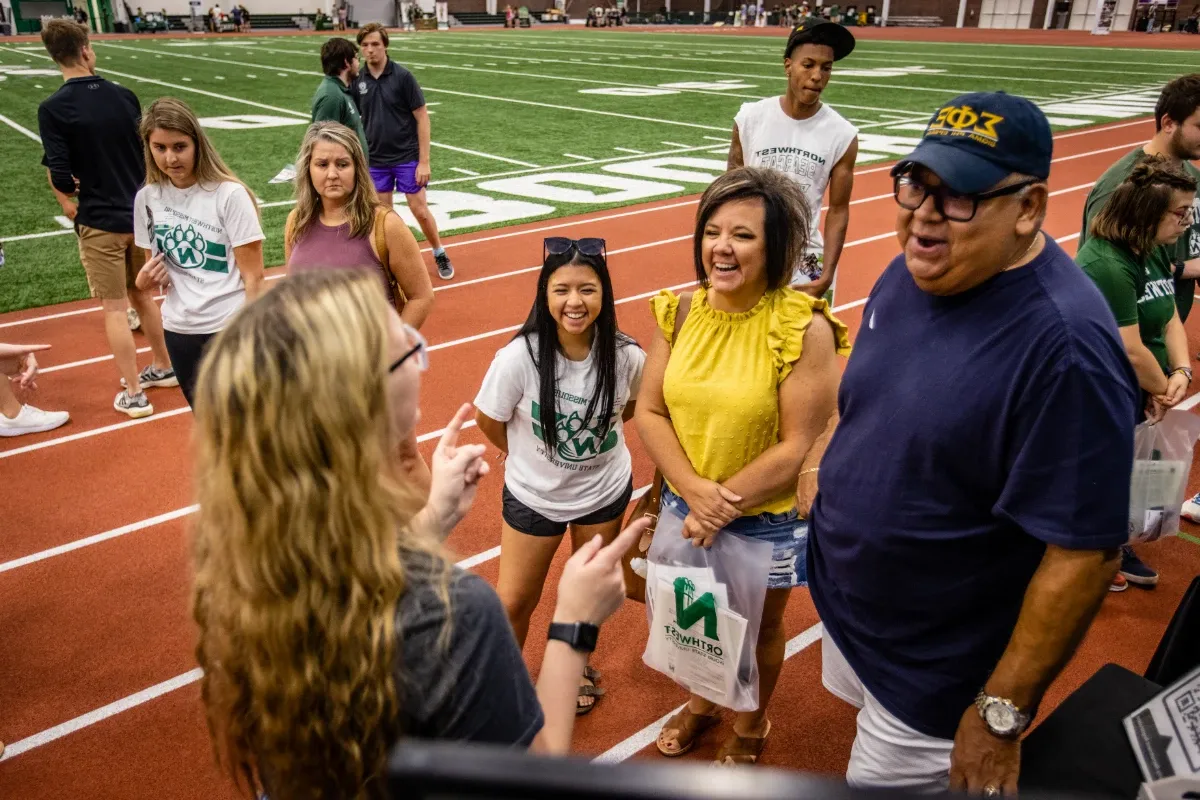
(731, 406)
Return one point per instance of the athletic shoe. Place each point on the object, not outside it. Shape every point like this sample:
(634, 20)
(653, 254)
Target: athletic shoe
(1135, 570)
(1119, 584)
(444, 267)
(1191, 509)
(153, 376)
(134, 320)
(136, 405)
(32, 420)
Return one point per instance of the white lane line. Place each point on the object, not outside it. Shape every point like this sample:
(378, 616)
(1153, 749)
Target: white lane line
(646, 736)
(93, 432)
(104, 712)
(83, 362)
(21, 129)
(191, 676)
(133, 527)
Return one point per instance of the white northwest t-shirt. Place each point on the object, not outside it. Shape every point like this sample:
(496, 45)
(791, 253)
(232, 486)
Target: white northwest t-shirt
(587, 473)
(198, 228)
(804, 149)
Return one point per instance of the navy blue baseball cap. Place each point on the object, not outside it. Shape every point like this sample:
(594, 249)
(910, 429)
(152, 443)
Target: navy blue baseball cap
(976, 140)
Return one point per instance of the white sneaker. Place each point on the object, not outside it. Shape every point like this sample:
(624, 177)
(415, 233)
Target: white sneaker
(1191, 509)
(32, 420)
(136, 406)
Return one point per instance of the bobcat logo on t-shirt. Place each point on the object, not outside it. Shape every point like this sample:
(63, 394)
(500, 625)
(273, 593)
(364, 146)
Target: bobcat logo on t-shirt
(572, 441)
(188, 249)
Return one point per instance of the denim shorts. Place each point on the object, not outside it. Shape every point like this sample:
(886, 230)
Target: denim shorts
(401, 178)
(787, 533)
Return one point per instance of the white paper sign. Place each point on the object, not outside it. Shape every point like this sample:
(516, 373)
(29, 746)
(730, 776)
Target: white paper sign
(1165, 733)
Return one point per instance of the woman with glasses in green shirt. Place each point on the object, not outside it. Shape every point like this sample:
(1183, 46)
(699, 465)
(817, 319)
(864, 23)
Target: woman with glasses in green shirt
(1152, 207)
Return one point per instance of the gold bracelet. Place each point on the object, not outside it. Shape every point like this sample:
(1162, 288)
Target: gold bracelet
(807, 471)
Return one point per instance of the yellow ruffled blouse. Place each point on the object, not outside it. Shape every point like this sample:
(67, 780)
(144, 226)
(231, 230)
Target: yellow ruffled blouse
(722, 382)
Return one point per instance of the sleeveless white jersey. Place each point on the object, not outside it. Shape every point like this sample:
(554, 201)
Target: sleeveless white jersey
(803, 149)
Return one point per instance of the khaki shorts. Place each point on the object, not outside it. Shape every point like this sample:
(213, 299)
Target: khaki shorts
(110, 260)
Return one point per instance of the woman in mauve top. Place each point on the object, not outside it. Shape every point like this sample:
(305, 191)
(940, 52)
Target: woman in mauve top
(334, 223)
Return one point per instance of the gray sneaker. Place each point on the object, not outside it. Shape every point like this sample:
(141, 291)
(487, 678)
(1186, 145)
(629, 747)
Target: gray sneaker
(444, 267)
(136, 406)
(153, 376)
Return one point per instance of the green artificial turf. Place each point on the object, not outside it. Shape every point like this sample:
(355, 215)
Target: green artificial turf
(516, 103)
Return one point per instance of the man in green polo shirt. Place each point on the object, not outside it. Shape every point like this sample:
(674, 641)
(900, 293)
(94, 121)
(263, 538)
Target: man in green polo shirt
(1177, 138)
(333, 100)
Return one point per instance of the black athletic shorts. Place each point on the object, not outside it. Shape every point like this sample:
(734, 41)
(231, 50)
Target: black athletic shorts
(523, 519)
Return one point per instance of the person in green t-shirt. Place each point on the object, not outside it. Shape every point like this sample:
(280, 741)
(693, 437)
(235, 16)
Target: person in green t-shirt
(1176, 138)
(1149, 211)
(333, 101)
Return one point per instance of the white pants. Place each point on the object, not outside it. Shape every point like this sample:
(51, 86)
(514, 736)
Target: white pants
(886, 752)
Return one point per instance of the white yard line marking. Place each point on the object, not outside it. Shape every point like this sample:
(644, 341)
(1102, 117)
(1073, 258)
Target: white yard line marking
(578, 158)
(21, 129)
(631, 150)
(675, 144)
(465, 171)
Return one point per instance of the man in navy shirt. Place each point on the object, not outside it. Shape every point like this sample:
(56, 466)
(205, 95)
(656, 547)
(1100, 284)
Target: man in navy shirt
(976, 491)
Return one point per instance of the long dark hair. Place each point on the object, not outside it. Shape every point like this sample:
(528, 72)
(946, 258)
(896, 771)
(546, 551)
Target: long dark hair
(606, 340)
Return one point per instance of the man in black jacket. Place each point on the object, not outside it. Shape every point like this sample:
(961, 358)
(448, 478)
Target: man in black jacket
(89, 131)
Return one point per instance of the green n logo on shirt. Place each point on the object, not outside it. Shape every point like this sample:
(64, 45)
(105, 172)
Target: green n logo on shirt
(572, 441)
(188, 249)
(689, 611)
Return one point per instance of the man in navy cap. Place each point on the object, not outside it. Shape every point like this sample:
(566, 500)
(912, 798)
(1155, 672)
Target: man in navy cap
(976, 491)
(808, 141)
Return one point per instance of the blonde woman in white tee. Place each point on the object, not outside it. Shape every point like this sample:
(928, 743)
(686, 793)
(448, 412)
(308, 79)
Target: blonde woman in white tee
(199, 225)
(813, 144)
(554, 401)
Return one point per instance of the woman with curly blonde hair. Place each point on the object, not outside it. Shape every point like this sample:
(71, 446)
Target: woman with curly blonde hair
(331, 621)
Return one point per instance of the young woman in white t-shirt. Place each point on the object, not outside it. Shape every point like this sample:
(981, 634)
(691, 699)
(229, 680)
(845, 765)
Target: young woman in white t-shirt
(569, 370)
(199, 225)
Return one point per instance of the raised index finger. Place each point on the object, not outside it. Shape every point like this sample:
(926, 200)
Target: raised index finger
(16, 350)
(450, 434)
(625, 539)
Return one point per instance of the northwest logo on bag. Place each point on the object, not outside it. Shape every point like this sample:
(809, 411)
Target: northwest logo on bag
(689, 610)
(188, 249)
(572, 441)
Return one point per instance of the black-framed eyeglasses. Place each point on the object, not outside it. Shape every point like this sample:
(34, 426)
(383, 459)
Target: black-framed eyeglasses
(420, 350)
(910, 193)
(561, 245)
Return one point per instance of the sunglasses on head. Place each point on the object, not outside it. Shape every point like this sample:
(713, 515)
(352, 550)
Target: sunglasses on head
(561, 245)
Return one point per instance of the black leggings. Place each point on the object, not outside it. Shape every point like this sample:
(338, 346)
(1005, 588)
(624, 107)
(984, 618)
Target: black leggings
(186, 350)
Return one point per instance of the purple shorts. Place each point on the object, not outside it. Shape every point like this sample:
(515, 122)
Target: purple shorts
(399, 178)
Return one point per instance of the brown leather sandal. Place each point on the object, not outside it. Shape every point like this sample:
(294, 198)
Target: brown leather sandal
(744, 750)
(589, 690)
(685, 728)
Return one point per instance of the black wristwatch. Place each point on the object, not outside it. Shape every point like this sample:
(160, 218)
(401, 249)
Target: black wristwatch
(580, 635)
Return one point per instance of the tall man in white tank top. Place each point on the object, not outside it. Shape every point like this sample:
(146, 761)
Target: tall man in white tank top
(816, 146)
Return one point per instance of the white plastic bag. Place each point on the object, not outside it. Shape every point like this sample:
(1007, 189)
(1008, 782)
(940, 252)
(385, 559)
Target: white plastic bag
(1162, 458)
(704, 608)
